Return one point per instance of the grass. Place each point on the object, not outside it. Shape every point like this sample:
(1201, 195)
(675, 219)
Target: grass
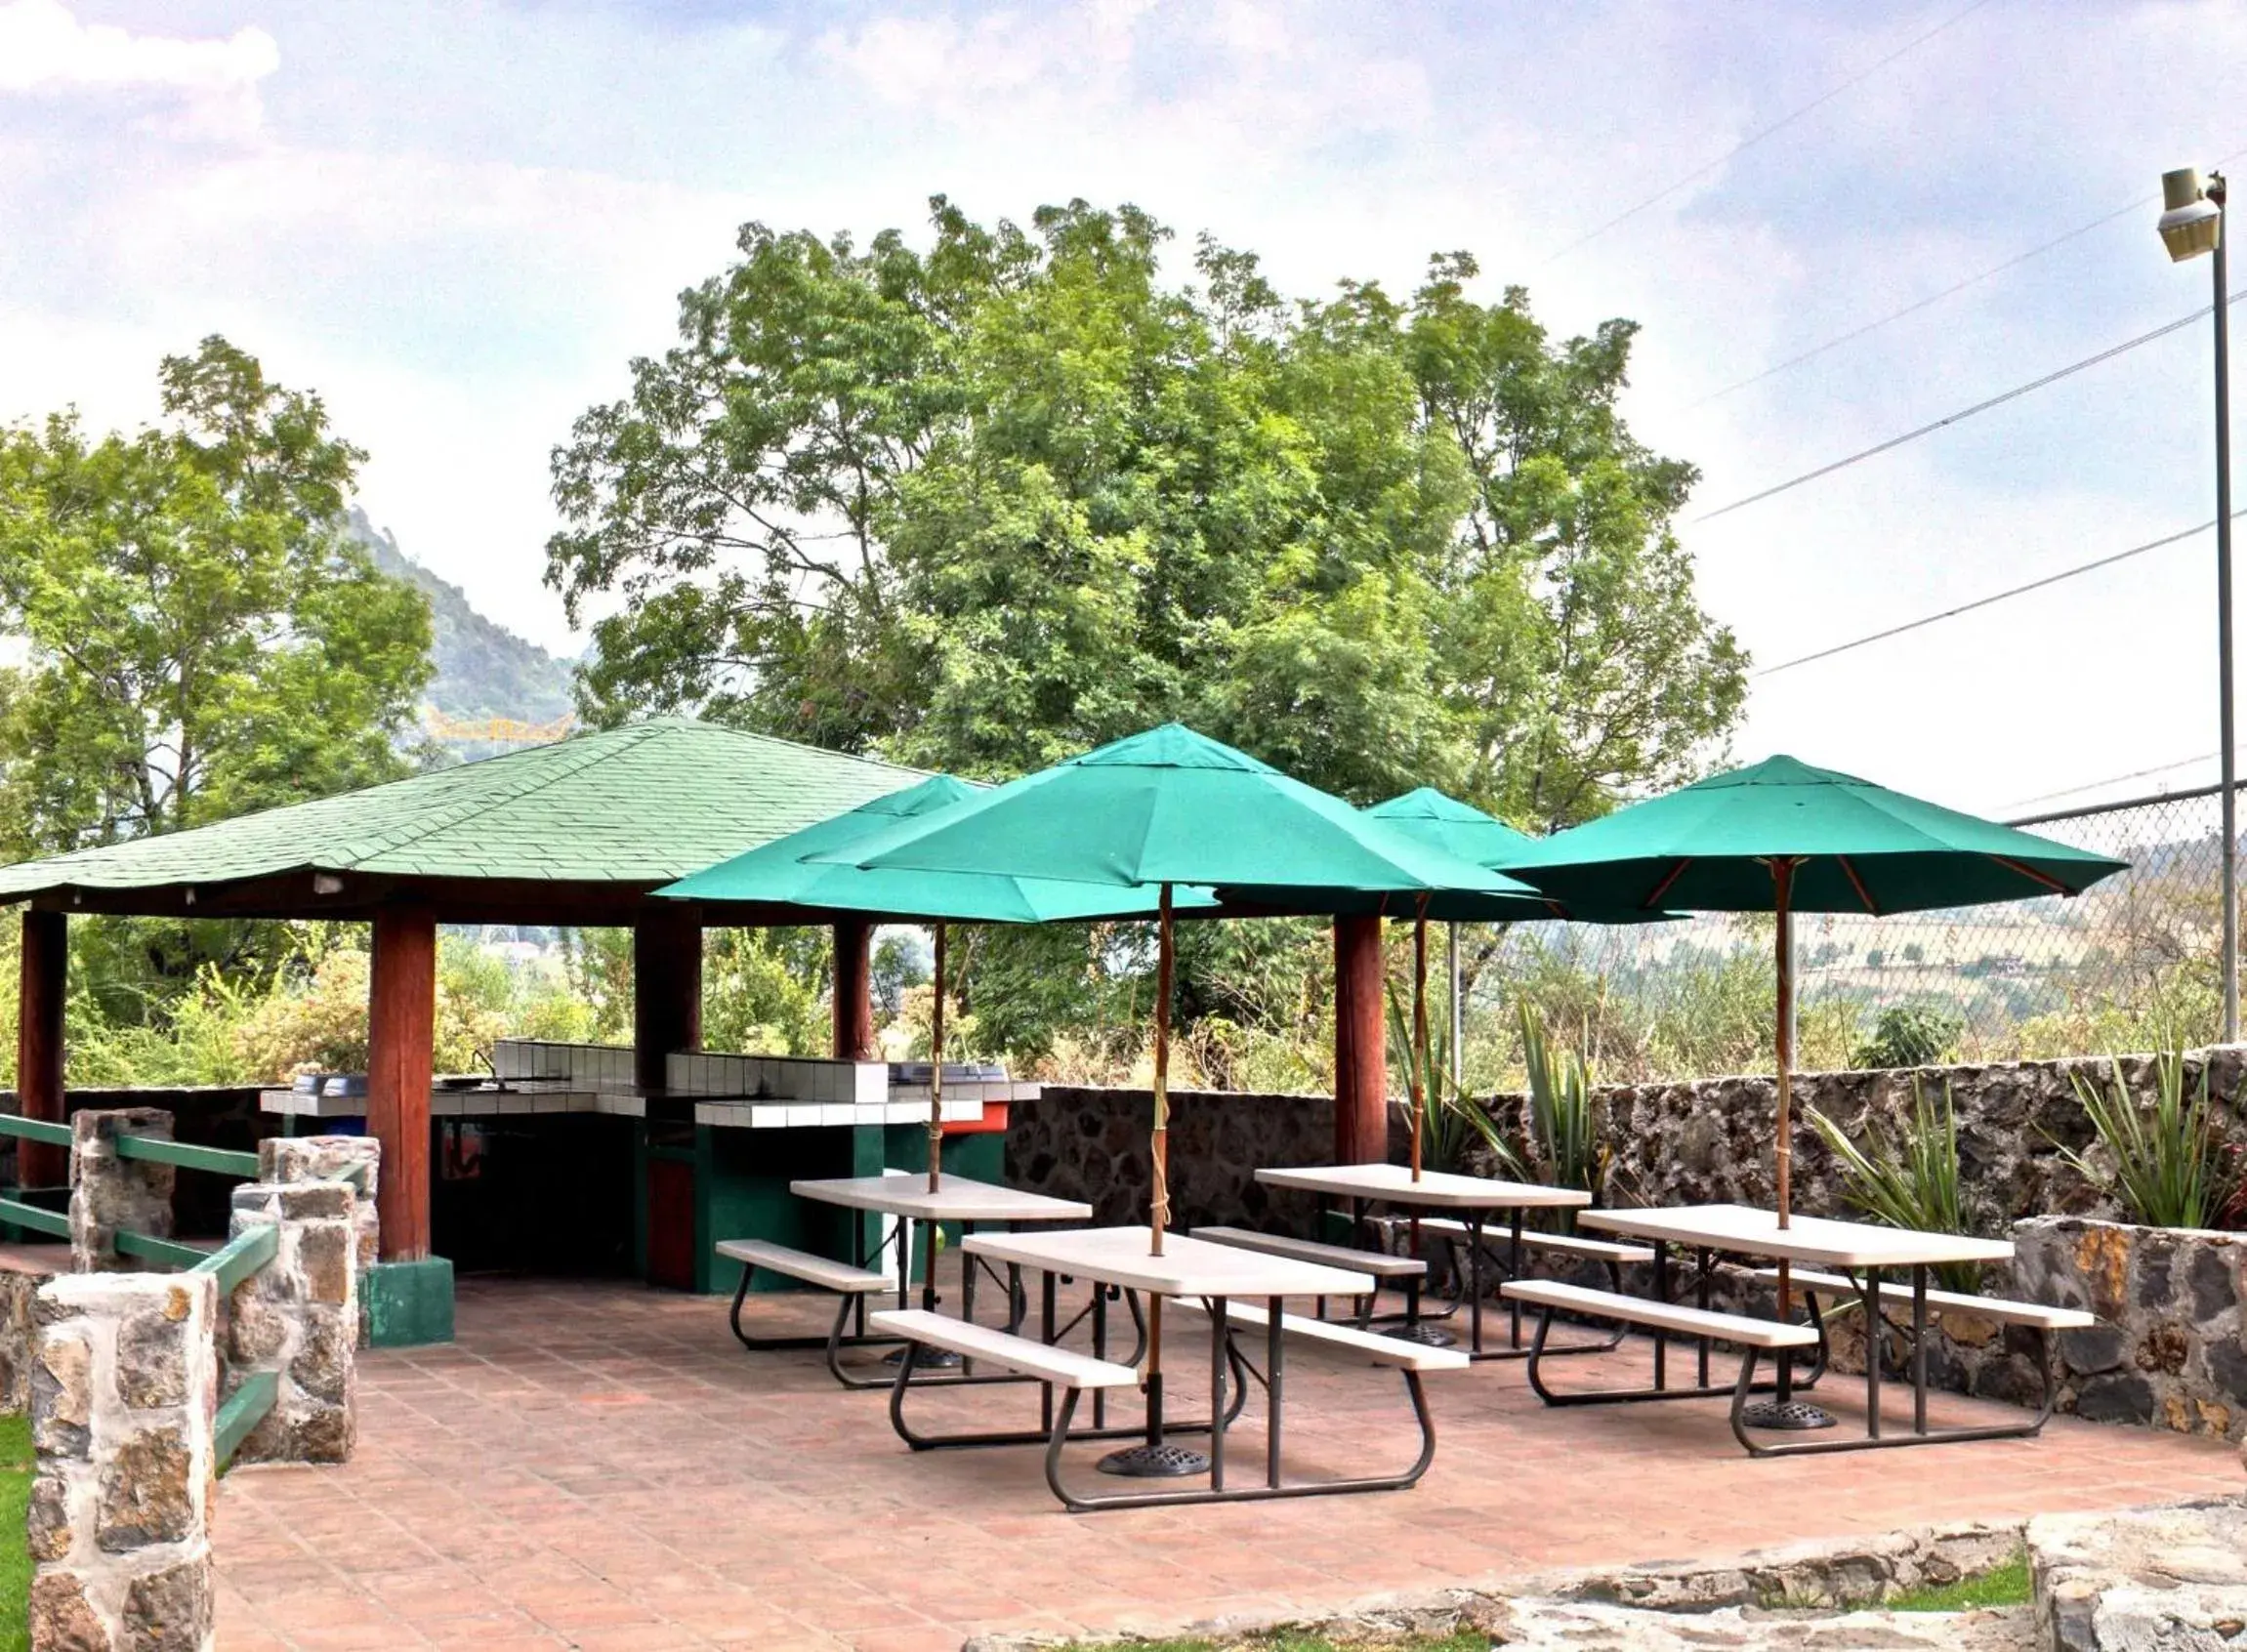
(14, 1555)
(2001, 1586)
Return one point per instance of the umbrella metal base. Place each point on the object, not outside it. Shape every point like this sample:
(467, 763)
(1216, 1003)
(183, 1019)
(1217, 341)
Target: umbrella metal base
(1163, 1461)
(1430, 1336)
(1788, 1416)
(925, 1360)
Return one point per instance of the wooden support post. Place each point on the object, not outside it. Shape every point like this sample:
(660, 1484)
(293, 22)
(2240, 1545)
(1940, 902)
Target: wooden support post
(402, 1025)
(1361, 1045)
(854, 990)
(44, 985)
(666, 987)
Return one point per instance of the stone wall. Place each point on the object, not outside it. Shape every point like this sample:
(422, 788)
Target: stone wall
(1711, 1139)
(124, 1384)
(1688, 1142)
(1091, 1144)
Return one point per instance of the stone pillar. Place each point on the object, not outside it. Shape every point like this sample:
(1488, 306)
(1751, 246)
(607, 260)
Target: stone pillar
(124, 1387)
(401, 1028)
(853, 1008)
(666, 987)
(107, 1192)
(41, 991)
(355, 1159)
(1361, 1045)
(298, 1317)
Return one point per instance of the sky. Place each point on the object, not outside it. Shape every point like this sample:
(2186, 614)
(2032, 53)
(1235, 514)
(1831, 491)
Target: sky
(459, 221)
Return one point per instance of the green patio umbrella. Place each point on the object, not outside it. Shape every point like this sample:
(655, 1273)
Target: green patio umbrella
(1164, 809)
(778, 874)
(1170, 808)
(1782, 837)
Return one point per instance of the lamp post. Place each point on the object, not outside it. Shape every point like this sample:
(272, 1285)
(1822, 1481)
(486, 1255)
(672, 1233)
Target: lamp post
(2192, 223)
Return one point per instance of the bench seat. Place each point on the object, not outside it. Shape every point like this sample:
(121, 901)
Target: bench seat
(1382, 1351)
(823, 1271)
(2035, 1314)
(1064, 1368)
(1554, 1244)
(1379, 1263)
(1732, 1328)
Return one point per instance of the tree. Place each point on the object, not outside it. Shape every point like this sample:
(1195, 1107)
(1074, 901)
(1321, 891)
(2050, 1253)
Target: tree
(198, 638)
(983, 505)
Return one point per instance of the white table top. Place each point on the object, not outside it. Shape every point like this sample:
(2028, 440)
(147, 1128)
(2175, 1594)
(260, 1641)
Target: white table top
(1436, 1189)
(1186, 1267)
(959, 1198)
(1745, 1230)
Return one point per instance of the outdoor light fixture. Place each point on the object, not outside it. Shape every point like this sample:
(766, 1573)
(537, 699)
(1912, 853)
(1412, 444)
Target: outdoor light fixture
(2192, 219)
(2192, 223)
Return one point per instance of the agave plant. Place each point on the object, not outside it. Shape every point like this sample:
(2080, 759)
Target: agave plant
(2171, 1165)
(1454, 1126)
(1564, 1131)
(1909, 1180)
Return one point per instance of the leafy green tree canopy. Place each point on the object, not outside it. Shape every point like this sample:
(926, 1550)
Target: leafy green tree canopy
(198, 638)
(990, 499)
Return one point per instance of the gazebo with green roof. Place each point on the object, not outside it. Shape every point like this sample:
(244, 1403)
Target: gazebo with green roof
(580, 832)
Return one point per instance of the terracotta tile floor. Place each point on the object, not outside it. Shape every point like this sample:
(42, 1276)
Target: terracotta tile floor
(601, 1466)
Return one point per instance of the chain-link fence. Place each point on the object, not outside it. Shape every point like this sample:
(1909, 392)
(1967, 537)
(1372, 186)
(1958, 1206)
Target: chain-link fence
(2130, 964)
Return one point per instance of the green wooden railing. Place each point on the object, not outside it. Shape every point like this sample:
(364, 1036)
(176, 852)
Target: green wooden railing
(233, 1263)
(35, 1130)
(240, 1257)
(20, 1213)
(245, 1408)
(219, 1161)
(38, 1219)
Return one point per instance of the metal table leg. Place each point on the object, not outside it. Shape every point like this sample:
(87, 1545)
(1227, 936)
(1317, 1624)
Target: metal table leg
(1273, 1337)
(1513, 1271)
(1917, 1348)
(1872, 1319)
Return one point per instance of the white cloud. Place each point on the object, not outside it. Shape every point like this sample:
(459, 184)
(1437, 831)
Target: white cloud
(44, 48)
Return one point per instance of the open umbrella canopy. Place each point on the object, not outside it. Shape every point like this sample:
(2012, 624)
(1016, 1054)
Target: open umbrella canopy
(1455, 827)
(1173, 806)
(1855, 848)
(777, 872)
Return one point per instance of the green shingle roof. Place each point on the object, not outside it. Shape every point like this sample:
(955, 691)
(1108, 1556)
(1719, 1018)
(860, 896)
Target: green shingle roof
(642, 804)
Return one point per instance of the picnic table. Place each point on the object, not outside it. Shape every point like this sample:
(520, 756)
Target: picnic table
(1861, 1253)
(1236, 1290)
(956, 1199)
(915, 1205)
(1470, 1200)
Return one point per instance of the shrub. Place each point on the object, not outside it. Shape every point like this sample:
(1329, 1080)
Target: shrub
(2167, 1165)
(1565, 1127)
(1912, 1035)
(1909, 1180)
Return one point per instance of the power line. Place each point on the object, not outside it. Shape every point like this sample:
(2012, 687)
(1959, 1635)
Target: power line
(2113, 780)
(1913, 308)
(1996, 597)
(1998, 400)
(1757, 137)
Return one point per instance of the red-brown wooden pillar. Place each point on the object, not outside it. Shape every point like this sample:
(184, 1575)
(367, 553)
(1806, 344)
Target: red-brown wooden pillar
(1361, 1045)
(46, 964)
(666, 987)
(854, 990)
(401, 1027)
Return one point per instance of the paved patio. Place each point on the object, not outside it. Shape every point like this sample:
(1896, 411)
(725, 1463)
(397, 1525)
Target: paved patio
(601, 1466)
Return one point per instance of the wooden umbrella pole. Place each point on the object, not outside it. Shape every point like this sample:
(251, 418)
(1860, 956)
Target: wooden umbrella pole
(1419, 1031)
(937, 1072)
(1160, 1210)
